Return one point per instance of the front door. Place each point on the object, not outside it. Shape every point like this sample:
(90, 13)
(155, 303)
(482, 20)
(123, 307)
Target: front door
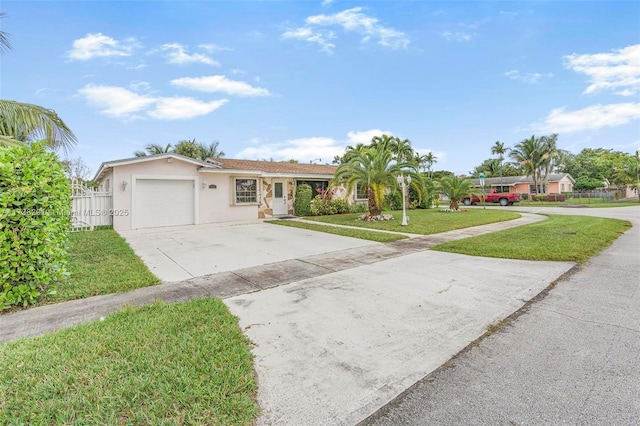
(279, 203)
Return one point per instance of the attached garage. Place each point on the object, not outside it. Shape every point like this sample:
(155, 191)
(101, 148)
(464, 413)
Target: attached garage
(163, 202)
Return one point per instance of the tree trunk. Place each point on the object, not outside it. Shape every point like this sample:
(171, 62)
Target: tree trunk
(374, 209)
(454, 205)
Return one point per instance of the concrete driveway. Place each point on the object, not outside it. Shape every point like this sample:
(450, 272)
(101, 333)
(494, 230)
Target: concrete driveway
(335, 348)
(183, 252)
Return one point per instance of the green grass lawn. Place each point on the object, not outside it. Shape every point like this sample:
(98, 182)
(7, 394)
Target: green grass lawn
(101, 262)
(560, 238)
(184, 363)
(381, 237)
(430, 221)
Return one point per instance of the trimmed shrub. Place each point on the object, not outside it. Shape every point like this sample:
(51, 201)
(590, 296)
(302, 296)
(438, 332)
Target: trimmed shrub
(555, 197)
(35, 200)
(393, 200)
(302, 204)
(524, 196)
(323, 206)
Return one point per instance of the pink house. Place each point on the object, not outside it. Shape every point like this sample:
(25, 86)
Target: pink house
(554, 184)
(170, 189)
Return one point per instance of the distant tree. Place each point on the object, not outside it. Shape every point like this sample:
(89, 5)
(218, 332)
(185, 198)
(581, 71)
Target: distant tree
(597, 163)
(210, 152)
(439, 174)
(153, 149)
(76, 169)
(629, 173)
(426, 162)
(188, 148)
(499, 150)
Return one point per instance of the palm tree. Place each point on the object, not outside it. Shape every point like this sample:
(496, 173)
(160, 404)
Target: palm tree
(532, 156)
(5, 44)
(153, 149)
(551, 152)
(499, 150)
(23, 123)
(425, 162)
(210, 152)
(377, 168)
(456, 188)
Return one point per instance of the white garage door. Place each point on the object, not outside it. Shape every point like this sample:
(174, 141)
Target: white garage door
(163, 203)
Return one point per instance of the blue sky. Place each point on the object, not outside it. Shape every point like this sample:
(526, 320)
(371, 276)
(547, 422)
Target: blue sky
(303, 79)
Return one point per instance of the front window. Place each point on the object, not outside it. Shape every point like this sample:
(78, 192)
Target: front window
(246, 191)
(317, 186)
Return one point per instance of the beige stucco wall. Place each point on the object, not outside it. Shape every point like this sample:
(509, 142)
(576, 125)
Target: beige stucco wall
(213, 204)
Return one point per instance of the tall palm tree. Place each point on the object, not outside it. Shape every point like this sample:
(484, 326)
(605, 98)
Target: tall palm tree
(532, 156)
(23, 123)
(499, 150)
(153, 149)
(425, 162)
(551, 152)
(455, 188)
(377, 169)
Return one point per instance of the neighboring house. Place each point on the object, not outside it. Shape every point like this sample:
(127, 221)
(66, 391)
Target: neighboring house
(170, 189)
(554, 184)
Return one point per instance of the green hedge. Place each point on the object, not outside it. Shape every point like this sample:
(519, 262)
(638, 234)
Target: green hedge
(35, 200)
(302, 203)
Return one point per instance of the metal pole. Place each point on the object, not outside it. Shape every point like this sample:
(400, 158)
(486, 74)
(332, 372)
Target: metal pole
(404, 207)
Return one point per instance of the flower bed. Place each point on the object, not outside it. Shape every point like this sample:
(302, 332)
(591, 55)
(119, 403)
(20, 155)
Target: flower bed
(380, 217)
(452, 210)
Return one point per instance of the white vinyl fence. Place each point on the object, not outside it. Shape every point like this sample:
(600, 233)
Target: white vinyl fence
(90, 207)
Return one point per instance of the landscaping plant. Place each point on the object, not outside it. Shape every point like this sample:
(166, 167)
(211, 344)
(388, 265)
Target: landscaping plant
(35, 200)
(302, 203)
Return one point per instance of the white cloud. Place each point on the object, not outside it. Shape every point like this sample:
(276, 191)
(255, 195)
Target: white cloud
(180, 108)
(327, 2)
(350, 20)
(101, 46)
(119, 102)
(593, 117)
(176, 54)
(364, 137)
(220, 83)
(319, 37)
(618, 71)
(529, 77)
(457, 36)
(116, 101)
(307, 149)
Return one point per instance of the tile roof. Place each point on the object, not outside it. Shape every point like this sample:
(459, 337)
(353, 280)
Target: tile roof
(276, 167)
